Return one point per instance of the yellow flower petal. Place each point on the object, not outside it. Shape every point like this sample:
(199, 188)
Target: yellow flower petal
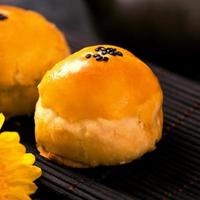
(31, 173)
(28, 159)
(27, 186)
(9, 137)
(2, 119)
(17, 172)
(16, 194)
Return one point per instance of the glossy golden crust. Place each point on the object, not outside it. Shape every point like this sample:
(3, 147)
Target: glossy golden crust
(29, 46)
(93, 89)
(94, 113)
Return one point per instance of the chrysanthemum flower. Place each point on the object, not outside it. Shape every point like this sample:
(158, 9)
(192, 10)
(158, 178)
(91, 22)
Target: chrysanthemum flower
(17, 172)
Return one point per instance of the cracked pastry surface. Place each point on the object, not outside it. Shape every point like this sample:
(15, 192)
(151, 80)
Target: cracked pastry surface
(29, 46)
(95, 111)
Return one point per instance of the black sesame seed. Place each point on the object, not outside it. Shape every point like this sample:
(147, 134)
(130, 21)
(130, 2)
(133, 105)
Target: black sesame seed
(108, 50)
(95, 55)
(104, 52)
(105, 59)
(112, 53)
(114, 49)
(3, 17)
(102, 48)
(97, 49)
(115, 53)
(119, 53)
(99, 58)
(88, 56)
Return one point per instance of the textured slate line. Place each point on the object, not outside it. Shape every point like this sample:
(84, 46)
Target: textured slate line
(71, 185)
(175, 80)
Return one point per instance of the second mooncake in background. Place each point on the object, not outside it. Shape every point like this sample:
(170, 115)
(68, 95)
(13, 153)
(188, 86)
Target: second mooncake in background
(29, 46)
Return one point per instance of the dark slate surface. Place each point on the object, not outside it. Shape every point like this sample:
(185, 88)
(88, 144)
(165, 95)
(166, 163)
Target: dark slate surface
(170, 172)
